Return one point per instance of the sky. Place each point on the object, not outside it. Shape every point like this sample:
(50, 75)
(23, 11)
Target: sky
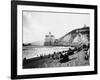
(38, 24)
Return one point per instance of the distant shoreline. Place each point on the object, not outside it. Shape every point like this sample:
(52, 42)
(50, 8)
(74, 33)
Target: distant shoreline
(32, 46)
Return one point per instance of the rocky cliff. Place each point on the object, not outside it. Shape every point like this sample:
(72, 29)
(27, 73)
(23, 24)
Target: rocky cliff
(77, 36)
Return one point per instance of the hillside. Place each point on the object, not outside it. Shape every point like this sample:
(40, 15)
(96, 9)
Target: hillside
(77, 36)
(38, 43)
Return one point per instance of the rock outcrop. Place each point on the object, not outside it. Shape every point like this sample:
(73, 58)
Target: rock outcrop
(75, 37)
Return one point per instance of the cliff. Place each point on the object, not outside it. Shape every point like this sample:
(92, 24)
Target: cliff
(75, 37)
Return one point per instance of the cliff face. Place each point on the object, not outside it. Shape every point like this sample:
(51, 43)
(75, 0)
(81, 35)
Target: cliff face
(77, 36)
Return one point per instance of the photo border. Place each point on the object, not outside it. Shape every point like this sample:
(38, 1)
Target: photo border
(14, 39)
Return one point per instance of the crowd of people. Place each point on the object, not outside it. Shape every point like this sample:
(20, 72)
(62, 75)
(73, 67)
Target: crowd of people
(63, 56)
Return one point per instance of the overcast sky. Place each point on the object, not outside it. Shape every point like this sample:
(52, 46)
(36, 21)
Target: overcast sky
(37, 24)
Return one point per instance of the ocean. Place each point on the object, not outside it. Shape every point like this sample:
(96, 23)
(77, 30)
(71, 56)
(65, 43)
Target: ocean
(31, 52)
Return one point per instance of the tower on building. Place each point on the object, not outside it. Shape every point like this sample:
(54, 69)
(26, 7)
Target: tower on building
(49, 39)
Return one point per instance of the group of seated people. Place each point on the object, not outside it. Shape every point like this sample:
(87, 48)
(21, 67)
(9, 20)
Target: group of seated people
(63, 56)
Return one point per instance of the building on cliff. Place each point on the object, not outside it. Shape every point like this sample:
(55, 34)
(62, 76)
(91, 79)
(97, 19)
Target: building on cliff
(75, 37)
(49, 40)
